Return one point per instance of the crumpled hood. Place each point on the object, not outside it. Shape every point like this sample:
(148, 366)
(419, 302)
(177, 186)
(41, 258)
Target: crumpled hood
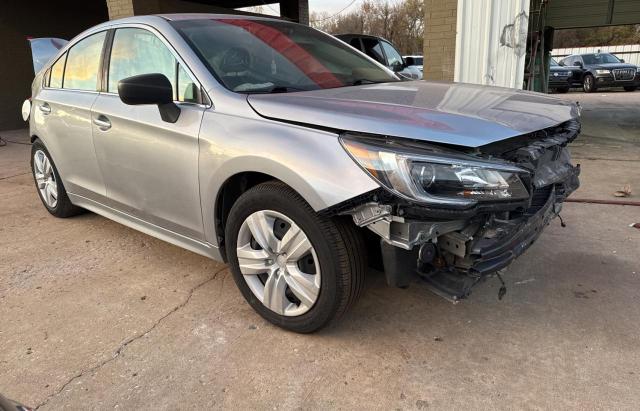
(452, 113)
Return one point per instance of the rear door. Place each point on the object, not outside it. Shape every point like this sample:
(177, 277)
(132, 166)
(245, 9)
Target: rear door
(63, 115)
(150, 166)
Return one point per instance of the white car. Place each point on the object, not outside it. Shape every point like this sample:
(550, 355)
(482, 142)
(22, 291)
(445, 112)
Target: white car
(414, 62)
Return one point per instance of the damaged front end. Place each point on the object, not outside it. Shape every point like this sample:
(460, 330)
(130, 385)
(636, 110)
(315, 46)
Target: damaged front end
(456, 218)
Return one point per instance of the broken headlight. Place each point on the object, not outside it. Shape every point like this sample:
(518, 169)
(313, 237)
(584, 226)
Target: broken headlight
(436, 177)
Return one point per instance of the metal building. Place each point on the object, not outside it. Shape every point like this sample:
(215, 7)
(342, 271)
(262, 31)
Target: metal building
(507, 42)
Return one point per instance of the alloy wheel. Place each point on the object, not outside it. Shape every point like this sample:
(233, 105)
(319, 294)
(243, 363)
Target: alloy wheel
(279, 263)
(45, 178)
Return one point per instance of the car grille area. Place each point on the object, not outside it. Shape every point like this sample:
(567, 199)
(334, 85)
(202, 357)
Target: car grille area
(624, 74)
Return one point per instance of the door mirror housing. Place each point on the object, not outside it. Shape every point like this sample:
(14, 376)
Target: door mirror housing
(397, 67)
(622, 61)
(578, 63)
(150, 89)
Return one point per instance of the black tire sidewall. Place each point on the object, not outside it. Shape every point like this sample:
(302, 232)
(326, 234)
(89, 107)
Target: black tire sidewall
(592, 81)
(37, 145)
(329, 297)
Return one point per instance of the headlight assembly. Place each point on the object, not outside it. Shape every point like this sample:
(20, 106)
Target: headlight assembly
(603, 72)
(436, 178)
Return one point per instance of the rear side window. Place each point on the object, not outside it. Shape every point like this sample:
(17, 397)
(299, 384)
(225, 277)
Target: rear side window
(373, 49)
(83, 63)
(138, 51)
(355, 43)
(56, 72)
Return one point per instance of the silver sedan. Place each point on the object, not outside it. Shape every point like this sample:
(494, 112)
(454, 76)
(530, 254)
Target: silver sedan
(295, 158)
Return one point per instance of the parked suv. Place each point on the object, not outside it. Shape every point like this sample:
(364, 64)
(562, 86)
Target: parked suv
(383, 52)
(603, 70)
(294, 158)
(560, 77)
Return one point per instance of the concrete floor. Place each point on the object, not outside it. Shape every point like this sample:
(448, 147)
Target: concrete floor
(95, 315)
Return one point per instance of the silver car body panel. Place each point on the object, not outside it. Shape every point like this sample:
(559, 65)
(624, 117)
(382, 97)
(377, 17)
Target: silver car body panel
(164, 179)
(460, 114)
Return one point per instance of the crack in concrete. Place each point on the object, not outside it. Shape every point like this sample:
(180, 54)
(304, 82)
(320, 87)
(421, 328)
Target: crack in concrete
(128, 341)
(15, 175)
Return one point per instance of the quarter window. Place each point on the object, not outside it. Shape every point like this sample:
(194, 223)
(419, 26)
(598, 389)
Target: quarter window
(187, 89)
(83, 63)
(138, 51)
(56, 72)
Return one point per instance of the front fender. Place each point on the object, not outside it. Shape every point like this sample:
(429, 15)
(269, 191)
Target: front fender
(310, 161)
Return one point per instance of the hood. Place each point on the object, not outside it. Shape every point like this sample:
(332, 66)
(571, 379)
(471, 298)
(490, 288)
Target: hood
(611, 66)
(450, 113)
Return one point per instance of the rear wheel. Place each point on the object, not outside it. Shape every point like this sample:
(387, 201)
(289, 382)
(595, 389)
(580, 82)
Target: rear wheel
(50, 188)
(630, 88)
(297, 269)
(589, 84)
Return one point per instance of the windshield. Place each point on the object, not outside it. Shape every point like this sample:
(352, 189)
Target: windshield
(599, 58)
(552, 62)
(265, 56)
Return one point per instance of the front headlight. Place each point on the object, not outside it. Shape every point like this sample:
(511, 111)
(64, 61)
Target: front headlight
(603, 72)
(436, 178)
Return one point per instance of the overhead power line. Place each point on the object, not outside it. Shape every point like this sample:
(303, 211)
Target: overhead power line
(335, 15)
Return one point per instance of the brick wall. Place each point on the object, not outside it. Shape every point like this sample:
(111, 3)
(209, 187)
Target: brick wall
(440, 39)
(120, 8)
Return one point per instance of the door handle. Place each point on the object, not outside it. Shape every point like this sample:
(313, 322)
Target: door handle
(102, 122)
(45, 108)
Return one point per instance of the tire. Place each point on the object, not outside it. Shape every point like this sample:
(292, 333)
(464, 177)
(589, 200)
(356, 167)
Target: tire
(337, 250)
(589, 84)
(630, 88)
(50, 180)
(562, 90)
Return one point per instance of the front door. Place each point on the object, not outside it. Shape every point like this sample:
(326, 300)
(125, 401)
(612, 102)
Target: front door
(150, 166)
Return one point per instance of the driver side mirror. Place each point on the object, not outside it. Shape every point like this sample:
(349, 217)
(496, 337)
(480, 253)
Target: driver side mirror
(622, 61)
(578, 63)
(150, 89)
(397, 66)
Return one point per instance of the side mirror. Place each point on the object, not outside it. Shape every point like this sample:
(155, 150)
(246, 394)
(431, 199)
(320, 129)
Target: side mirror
(578, 63)
(397, 67)
(150, 89)
(622, 61)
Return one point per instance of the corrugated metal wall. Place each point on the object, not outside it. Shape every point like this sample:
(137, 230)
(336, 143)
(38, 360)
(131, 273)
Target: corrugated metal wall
(491, 42)
(630, 52)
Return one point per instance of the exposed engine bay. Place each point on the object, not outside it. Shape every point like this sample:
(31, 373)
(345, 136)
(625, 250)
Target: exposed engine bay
(455, 249)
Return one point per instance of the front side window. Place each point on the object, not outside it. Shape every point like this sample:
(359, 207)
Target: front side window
(56, 72)
(263, 56)
(83, 63)
(393, 57)
(138, 51)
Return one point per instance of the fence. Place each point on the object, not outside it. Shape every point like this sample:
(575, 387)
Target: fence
(630, 53)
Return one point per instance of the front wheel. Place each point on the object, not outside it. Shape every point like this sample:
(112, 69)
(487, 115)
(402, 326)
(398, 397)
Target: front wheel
(630, 88)
(297, 269)
(589, 84)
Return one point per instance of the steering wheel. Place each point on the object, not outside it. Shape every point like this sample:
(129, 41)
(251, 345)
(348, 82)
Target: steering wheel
(235, 59)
